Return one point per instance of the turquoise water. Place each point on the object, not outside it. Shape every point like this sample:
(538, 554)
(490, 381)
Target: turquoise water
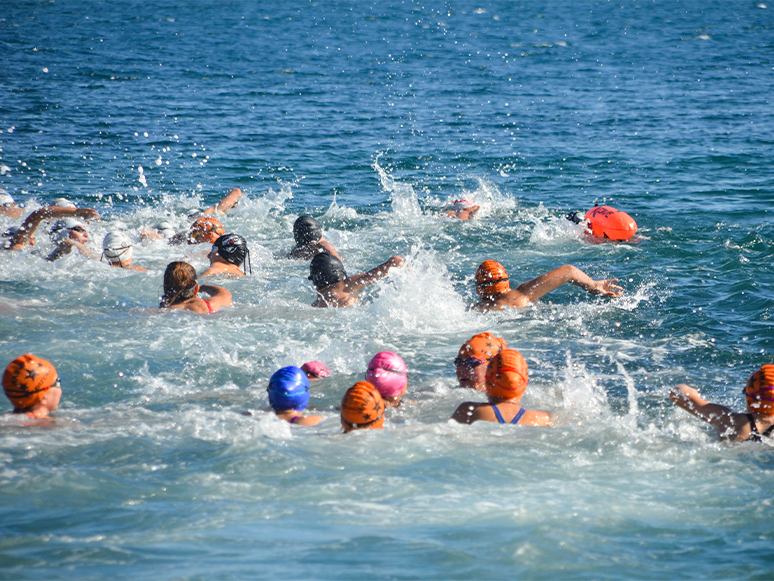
(374, 118)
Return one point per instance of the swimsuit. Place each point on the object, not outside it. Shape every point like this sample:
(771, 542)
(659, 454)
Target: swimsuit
(209, 306)
(755, 436)
(516, 418)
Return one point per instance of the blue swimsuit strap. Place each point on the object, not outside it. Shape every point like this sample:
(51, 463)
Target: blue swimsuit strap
(516, 419)
(500, 418)
(498, 414)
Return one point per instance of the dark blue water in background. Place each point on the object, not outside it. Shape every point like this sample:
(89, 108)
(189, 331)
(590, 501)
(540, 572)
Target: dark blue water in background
(393, 110)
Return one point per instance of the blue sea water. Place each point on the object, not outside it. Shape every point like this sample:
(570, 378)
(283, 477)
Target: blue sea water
(374, 117)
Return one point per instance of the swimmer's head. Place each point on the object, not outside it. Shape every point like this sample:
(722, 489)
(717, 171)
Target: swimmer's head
(460, 205)
(315, 370)
(507, 375)
(362, 408)
(117, 248)
(205, 229)
(232, 248)
(165, 229)
(491, 279)
(6, 201)
(62, 203)
(27, 380)
(194, 214)
(68, 228)
(288, 389)
(387, 372)
(473, 357)
(759, 391)
(306, 230)
(179, 283)
(325, 270)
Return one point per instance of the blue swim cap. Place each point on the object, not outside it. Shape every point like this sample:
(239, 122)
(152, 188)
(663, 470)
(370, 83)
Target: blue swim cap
(288, 389)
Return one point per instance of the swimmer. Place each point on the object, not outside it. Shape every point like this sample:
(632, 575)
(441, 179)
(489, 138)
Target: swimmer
(493, 286)
(463, 210)
(32, 385)
(335, 288)
(309, 240)
(315, 370)
(752, 426)
(387, 372)
(8, 206)
(24, 236)
(289, 395)
(181, 288)
(67, 234)
(204, 230)
(227, 256)
(506, 382)
(229, 201)
(117, 250)
(362, 408)
(473, 358)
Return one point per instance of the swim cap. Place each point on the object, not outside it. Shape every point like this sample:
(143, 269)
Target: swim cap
(362, 407)
(491, 279)
(306, 230)
(387, 372)
(325, 270)
(27, 379)
(460, 205)
(61, 229)
(481, 348)
(205, 229)
(759, 391)
(117, 247)
(165, 229)
(507, 375)
(62, 203)
(195, 213)
(288, 389)
(232, 248)
(316, 369)
(6, 200)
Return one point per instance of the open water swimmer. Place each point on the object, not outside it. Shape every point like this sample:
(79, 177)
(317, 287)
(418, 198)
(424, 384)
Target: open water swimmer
(463, 210)
(24, 236)
(492, 284)
(362, 408)
(181, 291)
(8, 206)
(315, 370)
(387, 372)
(308, 235)
(32, 385)
(228, 256)
(289, 395)
(754, 426)
(118, 251)
(506, 381)
(335, 288)
(473, 357)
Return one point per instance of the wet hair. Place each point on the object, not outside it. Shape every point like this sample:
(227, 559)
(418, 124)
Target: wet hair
(179, 284)
(306, 230)
(325, 270)
(233, 249)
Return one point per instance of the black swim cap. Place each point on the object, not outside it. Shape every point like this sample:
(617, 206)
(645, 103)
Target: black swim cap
(326, 270)
(306, 230)
(231, 248)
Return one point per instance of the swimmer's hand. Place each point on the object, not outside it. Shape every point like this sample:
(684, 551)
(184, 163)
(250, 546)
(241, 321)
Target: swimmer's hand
(606, 288)
(395, 261)
(684, 396)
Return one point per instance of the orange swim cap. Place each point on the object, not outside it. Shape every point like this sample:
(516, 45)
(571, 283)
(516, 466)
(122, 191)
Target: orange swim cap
(362, 407)
(205, 229)
(27, 379)
(759, 391)
(507, 375)
(491, 279)
(481, 347)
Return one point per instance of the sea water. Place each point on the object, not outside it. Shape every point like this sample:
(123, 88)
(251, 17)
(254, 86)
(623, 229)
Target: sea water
(374, 118)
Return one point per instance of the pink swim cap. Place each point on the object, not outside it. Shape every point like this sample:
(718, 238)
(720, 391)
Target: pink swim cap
(387, 371)
(316, 369)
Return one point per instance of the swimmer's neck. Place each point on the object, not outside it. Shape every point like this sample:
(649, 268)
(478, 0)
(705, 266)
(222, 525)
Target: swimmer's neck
(503, 401)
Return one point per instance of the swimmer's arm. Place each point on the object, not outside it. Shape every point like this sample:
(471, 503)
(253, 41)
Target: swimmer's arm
(145, 233)
(360, 281)
(718, 415)
(219, 297)
(226, 203)
(466, 413)
(536, 288)
(23, 237)
(308, 420)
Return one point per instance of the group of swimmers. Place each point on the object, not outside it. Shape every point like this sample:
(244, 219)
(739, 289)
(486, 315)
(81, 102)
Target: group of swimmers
(484, 363)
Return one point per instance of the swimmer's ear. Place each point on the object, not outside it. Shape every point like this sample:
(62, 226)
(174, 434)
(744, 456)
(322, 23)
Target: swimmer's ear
(196, 289)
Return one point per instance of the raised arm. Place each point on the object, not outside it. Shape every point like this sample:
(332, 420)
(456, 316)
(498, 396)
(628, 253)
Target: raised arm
(544, 284)
(219, 297)
(228, 202)
(360, 281)
(719, 416)
(24, 236)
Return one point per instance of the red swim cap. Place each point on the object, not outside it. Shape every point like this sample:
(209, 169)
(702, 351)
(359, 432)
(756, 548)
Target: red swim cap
(491, 279)
(759, 391)
(27, 379)
(507, 375)
(362, 408)
(205, 229)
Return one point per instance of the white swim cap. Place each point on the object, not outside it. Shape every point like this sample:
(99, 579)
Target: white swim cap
(61, 229)
(460, 205)
(165, 229)
(62, 203)
(195, 213)
(6, 199)
(117, 247)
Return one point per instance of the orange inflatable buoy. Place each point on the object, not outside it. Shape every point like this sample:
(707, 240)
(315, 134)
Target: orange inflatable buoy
(609, 223)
